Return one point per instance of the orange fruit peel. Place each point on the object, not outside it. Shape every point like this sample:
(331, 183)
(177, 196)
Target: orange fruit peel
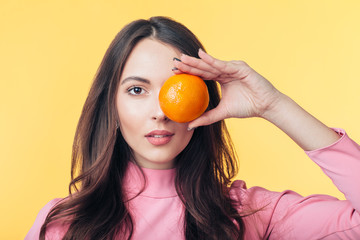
(184, 97)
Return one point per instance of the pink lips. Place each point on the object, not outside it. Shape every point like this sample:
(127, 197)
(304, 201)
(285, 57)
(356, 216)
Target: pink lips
(159, 137)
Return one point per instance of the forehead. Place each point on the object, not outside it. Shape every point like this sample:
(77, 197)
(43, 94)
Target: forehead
(150, 58)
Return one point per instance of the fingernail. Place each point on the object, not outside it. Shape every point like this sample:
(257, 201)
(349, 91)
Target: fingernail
(174, 69)
(176, 59)
(189, 129)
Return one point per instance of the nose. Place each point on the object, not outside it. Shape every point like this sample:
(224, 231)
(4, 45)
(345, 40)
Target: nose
(158, 114)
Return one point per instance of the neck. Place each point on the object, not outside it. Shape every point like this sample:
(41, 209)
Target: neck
(149, 182)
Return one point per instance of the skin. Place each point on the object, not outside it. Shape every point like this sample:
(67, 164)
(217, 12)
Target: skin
(245, 93)
(147, 68)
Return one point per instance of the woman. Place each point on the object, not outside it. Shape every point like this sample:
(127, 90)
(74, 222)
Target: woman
(143, 176)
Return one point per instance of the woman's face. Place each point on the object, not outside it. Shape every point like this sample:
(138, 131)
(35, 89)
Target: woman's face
(154, 139)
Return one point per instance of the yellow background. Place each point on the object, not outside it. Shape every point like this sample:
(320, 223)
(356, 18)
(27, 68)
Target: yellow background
(50, 51)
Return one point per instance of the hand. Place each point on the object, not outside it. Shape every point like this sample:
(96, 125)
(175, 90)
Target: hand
(245, 93)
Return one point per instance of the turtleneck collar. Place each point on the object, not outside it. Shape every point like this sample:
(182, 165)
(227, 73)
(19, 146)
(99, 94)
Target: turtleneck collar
(158, 184)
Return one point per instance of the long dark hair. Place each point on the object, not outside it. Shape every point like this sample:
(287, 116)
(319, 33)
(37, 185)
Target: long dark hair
(204, 169)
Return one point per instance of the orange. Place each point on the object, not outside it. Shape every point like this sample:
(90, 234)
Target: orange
(184, 97)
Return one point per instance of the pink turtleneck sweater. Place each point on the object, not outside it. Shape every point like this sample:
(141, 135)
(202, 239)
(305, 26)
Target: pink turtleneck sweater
(158, 211)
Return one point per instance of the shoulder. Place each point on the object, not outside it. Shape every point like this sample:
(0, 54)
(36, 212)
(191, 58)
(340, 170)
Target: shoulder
(266, 203)
(254, 197)
(46, 209)
(260, 207)
(256, 205)
(288, 213)
(40, 218)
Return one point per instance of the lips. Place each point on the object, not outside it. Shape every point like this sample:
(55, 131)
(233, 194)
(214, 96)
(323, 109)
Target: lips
(159, 137)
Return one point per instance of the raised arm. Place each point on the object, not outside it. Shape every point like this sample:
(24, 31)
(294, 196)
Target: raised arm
(286, 215)
(245, 93)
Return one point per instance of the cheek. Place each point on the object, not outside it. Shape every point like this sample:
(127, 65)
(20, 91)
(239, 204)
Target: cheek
(185, 136)
(130, 116)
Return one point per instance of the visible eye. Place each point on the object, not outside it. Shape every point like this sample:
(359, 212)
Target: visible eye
(135, 90)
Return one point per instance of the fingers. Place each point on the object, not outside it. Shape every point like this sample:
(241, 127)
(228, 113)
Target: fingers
(226, 67)
(208, 118)
(176, 70)
(197, 67)
(210, 68)
(211, 61)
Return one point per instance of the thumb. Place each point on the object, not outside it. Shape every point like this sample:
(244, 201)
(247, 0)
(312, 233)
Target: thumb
(208, 118)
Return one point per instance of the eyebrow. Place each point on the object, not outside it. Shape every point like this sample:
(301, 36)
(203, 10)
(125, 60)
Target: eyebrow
(136, 78)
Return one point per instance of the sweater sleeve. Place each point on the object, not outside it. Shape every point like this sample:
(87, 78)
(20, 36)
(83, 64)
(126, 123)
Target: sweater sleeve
(341, 163)
(288, 215)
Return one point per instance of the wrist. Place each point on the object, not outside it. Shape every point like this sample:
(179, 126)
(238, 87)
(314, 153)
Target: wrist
(275, 111)
(308, 132)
